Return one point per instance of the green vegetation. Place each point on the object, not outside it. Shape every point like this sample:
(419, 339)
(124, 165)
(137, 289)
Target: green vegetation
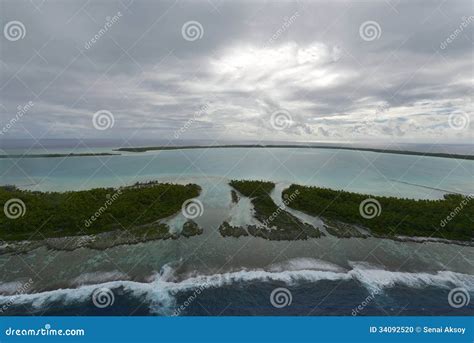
(279, 224)
(228, 230)
(343, 230)
(54, 214)
(131, 214)
(385, 151)
(253, 189)
(191, 228)
(234, 196)
(449, 218)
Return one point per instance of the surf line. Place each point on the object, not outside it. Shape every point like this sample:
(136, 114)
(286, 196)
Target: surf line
(428, 187)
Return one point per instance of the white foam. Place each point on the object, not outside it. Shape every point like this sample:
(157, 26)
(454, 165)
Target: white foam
(276, 196)
(175, 223)
(9, 288)
(242, 214)
(375, 278)
(98, 277)
(288, 277)
(305, 263)
(160, 292)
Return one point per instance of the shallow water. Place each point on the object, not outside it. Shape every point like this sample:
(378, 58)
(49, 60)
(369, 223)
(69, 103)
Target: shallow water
(326, 276)
(357, 171)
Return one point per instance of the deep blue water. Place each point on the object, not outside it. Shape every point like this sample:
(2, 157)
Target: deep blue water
(324, 298)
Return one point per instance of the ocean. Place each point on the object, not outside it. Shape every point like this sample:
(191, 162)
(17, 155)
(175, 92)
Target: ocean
(208, 275)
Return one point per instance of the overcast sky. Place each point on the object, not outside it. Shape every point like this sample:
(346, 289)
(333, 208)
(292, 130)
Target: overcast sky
(238, 70)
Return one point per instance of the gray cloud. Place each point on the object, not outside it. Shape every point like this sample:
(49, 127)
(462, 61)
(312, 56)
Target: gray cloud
(253, 59)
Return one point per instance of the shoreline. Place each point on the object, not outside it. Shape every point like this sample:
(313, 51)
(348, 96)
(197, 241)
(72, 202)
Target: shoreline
(85, 154)
(136, 208)
(242, 146)
(272, 222)
(272, 146)
(103, 240)
(111, 239)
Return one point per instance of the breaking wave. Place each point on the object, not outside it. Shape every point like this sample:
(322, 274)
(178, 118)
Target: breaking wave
(160, 290)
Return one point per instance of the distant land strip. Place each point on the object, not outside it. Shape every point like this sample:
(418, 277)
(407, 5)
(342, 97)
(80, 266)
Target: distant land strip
(59, 155)
(399, 152)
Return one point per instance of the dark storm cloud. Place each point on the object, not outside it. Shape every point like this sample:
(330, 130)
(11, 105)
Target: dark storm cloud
(254, 59)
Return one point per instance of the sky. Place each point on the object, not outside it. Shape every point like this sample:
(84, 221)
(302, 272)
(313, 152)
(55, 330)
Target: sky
(299, 71)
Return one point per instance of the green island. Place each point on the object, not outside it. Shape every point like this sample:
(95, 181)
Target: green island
(133, 211)
(385, 151)
(104, 217)
(279, 224)
(450, 218)
(85, 154)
